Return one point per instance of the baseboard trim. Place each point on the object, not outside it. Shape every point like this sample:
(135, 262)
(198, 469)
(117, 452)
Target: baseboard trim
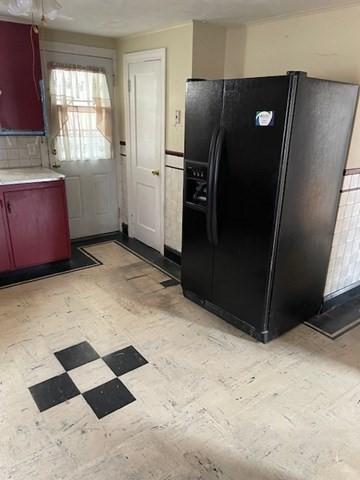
(341, 297)
(172, 254)
(93, 238)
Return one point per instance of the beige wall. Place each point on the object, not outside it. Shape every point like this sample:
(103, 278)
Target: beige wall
(208, 56)
(178, 44)
(235, 52)
(50, 35)
(325, 44)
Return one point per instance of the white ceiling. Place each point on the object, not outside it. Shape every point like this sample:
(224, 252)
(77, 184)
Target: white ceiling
(115, 18)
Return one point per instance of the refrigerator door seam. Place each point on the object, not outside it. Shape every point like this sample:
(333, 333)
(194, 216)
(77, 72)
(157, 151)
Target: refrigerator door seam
(294, 80)
(214, 199)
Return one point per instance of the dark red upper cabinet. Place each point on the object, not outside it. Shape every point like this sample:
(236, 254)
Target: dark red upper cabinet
(21, 92)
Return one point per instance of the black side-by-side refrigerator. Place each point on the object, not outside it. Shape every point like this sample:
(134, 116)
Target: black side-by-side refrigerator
(264, 162)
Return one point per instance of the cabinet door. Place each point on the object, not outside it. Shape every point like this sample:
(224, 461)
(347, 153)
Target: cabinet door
(20, 76)
(5, 256)
(38, 225)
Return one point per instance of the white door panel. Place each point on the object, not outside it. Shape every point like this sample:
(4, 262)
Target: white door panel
(146, 111)
(73, 193)
(102, 188)
(146, 145)
(91, 185)
(146, 203)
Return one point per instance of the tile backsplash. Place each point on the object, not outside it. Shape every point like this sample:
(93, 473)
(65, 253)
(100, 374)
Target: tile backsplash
(344, 266)
(173, 207)
(20, 152)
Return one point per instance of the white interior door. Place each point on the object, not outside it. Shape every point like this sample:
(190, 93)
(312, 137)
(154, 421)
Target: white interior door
(146, 136)
(91, 185)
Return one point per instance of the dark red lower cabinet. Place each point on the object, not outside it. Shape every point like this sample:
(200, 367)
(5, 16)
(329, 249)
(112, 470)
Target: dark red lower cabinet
(36, 220)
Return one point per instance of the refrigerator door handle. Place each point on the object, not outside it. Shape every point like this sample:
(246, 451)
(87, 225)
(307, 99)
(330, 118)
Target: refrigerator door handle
(217, 159)
(210, 185)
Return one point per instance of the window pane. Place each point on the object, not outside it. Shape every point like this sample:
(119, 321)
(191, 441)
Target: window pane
(81, 112)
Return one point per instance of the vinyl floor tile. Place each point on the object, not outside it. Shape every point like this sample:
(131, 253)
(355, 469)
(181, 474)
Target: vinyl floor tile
(77, 355)
(108, 398)
(91, 375)
(211, 404)
(124, 360)
(54, 391)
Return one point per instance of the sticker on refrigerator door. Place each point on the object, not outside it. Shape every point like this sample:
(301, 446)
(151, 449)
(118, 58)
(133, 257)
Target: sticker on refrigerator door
(265, 118)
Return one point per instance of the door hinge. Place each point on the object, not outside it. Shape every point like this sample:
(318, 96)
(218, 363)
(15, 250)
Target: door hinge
(114, 80)
(129, 86)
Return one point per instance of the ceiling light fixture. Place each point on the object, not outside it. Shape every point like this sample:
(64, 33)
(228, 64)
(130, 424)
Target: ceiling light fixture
(43, 10)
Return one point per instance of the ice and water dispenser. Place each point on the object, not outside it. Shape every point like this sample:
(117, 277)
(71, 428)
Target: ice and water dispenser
(196, 184)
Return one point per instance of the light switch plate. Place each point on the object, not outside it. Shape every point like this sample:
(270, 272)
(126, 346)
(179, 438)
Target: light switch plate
(177, 117)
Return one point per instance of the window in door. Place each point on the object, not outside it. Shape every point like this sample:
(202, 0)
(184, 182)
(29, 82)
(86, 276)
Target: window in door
(80, 113)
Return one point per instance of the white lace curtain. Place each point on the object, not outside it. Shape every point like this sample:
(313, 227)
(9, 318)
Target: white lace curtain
(81, 115)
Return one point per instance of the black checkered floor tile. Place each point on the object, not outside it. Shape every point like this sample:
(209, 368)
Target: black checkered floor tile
(109, 396)
(76, 356)
(124, 360)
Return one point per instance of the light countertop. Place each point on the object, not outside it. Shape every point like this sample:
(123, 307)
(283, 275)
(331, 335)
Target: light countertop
(13, 176)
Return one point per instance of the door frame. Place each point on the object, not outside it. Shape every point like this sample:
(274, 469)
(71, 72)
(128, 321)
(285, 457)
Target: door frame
(88, 51)
(128, 59)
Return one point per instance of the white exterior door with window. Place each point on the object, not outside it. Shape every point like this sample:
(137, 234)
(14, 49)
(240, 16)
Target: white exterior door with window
(81, 144)
(145, 74)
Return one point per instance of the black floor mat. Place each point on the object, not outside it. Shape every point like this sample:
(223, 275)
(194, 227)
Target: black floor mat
(340, 316)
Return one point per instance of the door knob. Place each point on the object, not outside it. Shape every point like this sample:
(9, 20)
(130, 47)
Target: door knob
(155, 172)
(55, 165)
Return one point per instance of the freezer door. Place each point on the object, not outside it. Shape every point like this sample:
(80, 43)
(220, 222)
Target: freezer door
(322, 126)
(253, 127)
(204, 101)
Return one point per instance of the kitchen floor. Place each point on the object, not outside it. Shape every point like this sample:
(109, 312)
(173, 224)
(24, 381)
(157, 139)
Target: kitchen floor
(109, 373)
